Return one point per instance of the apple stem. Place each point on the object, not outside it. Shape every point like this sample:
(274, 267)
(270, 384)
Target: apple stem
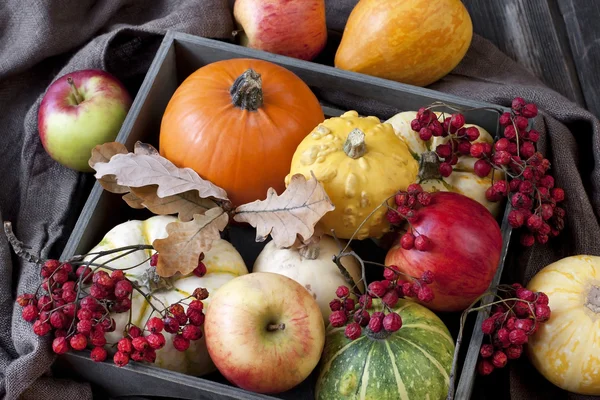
(76, 94)
(275, 327)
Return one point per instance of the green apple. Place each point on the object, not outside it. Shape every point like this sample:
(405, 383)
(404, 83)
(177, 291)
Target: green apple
(264, 332)
(79, 111)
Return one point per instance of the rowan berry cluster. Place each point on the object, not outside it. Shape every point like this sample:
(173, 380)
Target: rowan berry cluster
(406, 202)
(76, 305)
(527, 183)
(513, 320)
(358, 315)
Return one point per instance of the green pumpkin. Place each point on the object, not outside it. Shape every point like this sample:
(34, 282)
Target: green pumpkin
(412, 363)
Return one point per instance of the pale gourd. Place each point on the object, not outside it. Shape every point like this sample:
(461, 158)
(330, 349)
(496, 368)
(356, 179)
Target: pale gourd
(361, 163)
(312, 267)
(223, 263)
(463, 179)
(566, 348)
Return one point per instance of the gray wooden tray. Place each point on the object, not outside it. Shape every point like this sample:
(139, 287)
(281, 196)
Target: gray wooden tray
(178, 56)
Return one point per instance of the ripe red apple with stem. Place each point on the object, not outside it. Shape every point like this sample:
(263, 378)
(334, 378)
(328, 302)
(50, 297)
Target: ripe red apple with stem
(80, 110)
(465, 245)
(264, 332)
(291, 28)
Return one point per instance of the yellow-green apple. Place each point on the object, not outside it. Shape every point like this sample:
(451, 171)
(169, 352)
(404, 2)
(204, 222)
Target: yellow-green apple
(264, 332)
(291, 28)
(80, 110)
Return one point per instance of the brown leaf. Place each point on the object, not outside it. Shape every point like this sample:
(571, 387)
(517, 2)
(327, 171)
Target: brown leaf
(289, 215)
(102, 153)
(147, 168)
(180, 250)
(133, 201)
(186, 204)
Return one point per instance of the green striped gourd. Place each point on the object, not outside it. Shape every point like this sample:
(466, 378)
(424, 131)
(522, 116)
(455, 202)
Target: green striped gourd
(411, 364)
(222, 261)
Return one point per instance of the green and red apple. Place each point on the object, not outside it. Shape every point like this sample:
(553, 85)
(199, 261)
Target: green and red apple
(79, 111)
(264, 332)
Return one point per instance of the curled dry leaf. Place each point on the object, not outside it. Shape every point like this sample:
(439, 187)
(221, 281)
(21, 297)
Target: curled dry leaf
(186, 204)
(288, 216)
(147, 167)
(102, 154)
(180, 250)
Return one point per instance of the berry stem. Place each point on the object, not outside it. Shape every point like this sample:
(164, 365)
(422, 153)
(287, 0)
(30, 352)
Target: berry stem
(19, 247)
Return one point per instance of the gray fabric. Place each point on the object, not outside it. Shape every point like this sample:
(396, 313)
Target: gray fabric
(40, 40)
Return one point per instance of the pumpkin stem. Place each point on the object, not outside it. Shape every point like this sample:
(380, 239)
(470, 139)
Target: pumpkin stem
(381, 335)
(429, 166)
(355, 146)
(246, 91)
(275, 327)
(593, 299)
(76, 95)
(310, 252)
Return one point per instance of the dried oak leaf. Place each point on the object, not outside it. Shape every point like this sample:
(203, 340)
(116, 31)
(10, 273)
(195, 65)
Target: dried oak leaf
(186, 204)
(102, 153)
(293, 213)
(147, 167)
(185, 241)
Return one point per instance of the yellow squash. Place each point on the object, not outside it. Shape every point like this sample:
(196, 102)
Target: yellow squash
(566, 348)
(360, 163)
(462, 180)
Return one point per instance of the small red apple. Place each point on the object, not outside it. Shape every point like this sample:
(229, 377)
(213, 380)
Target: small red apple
(464, 250)
(291, 28)
(264, 332)
(80, 110)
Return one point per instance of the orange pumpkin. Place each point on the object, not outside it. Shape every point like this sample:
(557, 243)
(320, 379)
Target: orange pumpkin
(409, 41)
(237, 123)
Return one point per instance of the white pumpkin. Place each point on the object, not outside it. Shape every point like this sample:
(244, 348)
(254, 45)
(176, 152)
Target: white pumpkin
(463, 179)
(313, 269)
(223, 263)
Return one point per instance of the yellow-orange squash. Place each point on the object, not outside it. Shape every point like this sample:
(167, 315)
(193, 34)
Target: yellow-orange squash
(410, 41)
(566, 348)
(237, 123)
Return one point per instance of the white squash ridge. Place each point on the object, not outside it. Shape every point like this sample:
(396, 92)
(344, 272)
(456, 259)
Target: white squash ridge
(364, 380)
(431, 359)
(399, 382)
(433, 329)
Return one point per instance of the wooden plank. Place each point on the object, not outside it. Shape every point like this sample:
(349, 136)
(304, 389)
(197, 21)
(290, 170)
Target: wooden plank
(581, 19)
(533, 34)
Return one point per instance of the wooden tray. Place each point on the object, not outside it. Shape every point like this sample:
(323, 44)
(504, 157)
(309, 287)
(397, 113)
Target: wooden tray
(178, 56)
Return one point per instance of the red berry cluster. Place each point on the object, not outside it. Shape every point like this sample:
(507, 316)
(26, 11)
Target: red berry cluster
(529, 186)
(512, 321)
(460, 139)
(75, 306)
(406, 202)
(356, 316)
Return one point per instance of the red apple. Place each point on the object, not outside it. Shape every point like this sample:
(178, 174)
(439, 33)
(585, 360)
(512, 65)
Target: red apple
(464, 251)
(80, 110)
(290, 28)
(264, 332)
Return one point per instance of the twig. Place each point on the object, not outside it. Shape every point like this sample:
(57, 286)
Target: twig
(19, 247)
